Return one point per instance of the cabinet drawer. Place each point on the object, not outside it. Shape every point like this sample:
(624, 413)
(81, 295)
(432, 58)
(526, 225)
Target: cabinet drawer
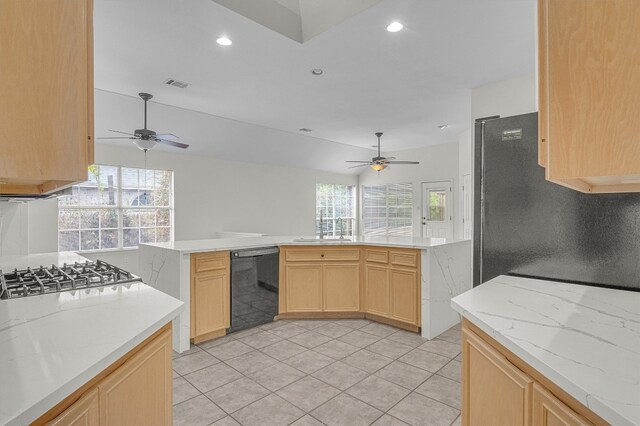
(211, 261)
(318, 254)
(404, 258)
(377, 256)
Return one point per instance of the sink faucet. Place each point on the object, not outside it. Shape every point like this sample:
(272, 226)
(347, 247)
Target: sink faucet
(341, 228)
(321, 226)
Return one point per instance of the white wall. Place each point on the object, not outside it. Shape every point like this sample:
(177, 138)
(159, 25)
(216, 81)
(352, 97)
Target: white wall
(505, 98)
(437, 163)
(211, 195)
(465, 167)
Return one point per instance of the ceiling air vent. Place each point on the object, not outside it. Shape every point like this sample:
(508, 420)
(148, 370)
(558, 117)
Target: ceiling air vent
(306, 130)
(176, 83)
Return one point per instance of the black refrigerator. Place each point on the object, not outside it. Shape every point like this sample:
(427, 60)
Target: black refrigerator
(527, 226)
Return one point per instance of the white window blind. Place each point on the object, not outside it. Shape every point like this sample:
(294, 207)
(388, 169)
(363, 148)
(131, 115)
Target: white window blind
(117, 207)
(335, 201)
(387, 209)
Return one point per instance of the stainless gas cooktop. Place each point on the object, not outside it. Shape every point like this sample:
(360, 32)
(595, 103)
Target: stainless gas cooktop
(42, 280)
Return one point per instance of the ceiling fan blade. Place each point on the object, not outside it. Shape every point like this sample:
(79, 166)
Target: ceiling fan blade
(355, 161)
(124, 133)
(117, 137)
(402, 162)
(167, 136)
(172, 143)
(359, 165)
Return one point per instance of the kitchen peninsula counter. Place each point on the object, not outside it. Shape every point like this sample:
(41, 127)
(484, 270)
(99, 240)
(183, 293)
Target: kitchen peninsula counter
(445, 272)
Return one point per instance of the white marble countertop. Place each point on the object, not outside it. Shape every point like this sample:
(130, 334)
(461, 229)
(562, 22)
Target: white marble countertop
(220, 244)
(52, 344)
(585, 339)
(9, 263)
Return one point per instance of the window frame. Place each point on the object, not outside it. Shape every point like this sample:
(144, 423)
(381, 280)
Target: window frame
(120, 209)
(386, 218)
(334, 219)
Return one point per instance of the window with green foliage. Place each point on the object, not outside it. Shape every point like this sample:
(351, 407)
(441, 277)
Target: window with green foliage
(387, 209)
(117, 207)
(335, 202)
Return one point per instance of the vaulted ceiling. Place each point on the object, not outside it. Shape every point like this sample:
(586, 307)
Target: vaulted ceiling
(405, 83)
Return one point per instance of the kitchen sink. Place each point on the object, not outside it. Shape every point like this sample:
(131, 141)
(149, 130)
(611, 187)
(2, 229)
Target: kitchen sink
(318, 240)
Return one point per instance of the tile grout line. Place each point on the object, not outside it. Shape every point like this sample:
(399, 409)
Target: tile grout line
(311, 374)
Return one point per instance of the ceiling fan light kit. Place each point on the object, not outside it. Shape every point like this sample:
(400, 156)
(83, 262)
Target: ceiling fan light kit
(146, 139)
(379, 162)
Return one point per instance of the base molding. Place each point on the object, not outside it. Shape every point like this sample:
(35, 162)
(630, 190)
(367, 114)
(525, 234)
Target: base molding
(348, 315)
(208, 336)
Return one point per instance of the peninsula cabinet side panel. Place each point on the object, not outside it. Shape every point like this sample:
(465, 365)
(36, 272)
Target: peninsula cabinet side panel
(494, 392)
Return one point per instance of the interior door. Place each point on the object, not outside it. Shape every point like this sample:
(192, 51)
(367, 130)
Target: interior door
(467, 218)
(437, 215)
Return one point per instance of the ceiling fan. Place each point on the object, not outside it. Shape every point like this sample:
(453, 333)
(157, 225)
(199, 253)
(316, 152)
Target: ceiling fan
(379, 163)
(146, 139)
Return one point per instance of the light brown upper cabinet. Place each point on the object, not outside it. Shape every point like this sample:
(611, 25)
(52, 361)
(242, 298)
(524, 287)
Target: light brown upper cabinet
(589, 94)
(46, 94)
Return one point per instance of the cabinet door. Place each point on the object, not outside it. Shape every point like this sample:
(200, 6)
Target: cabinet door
(550, 411)
(591, 84)
(303, 287)
(377, 290)
(403, 286)
(140, 391)
(84, 412)
(494, 391)
(211, 301)
(46, 93)
(341, 287)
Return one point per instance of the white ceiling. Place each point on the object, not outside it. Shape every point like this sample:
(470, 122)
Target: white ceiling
(404, 84)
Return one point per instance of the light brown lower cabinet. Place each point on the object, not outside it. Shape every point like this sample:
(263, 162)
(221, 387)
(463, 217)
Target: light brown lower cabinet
(135, 390)
(377, 290)
(494, 391)
(341, 287)
(210, 295)
(499, 389)
(303, 292)
(380, 283)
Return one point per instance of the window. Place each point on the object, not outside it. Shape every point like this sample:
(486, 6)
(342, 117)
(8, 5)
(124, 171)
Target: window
(387, 210)
(117, 207)
(335, 201)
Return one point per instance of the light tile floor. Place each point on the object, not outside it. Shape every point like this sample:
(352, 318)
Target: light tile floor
(313, 372)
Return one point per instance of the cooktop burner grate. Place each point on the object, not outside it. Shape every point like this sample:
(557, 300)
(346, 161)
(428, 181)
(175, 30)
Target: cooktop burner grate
(42, 280)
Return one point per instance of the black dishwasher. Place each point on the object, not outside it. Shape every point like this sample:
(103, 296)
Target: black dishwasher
(254, 287)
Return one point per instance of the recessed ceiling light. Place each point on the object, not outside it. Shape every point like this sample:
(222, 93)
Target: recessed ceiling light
(394, 27)
(443, 126)
(317, 71)
(224, 41)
